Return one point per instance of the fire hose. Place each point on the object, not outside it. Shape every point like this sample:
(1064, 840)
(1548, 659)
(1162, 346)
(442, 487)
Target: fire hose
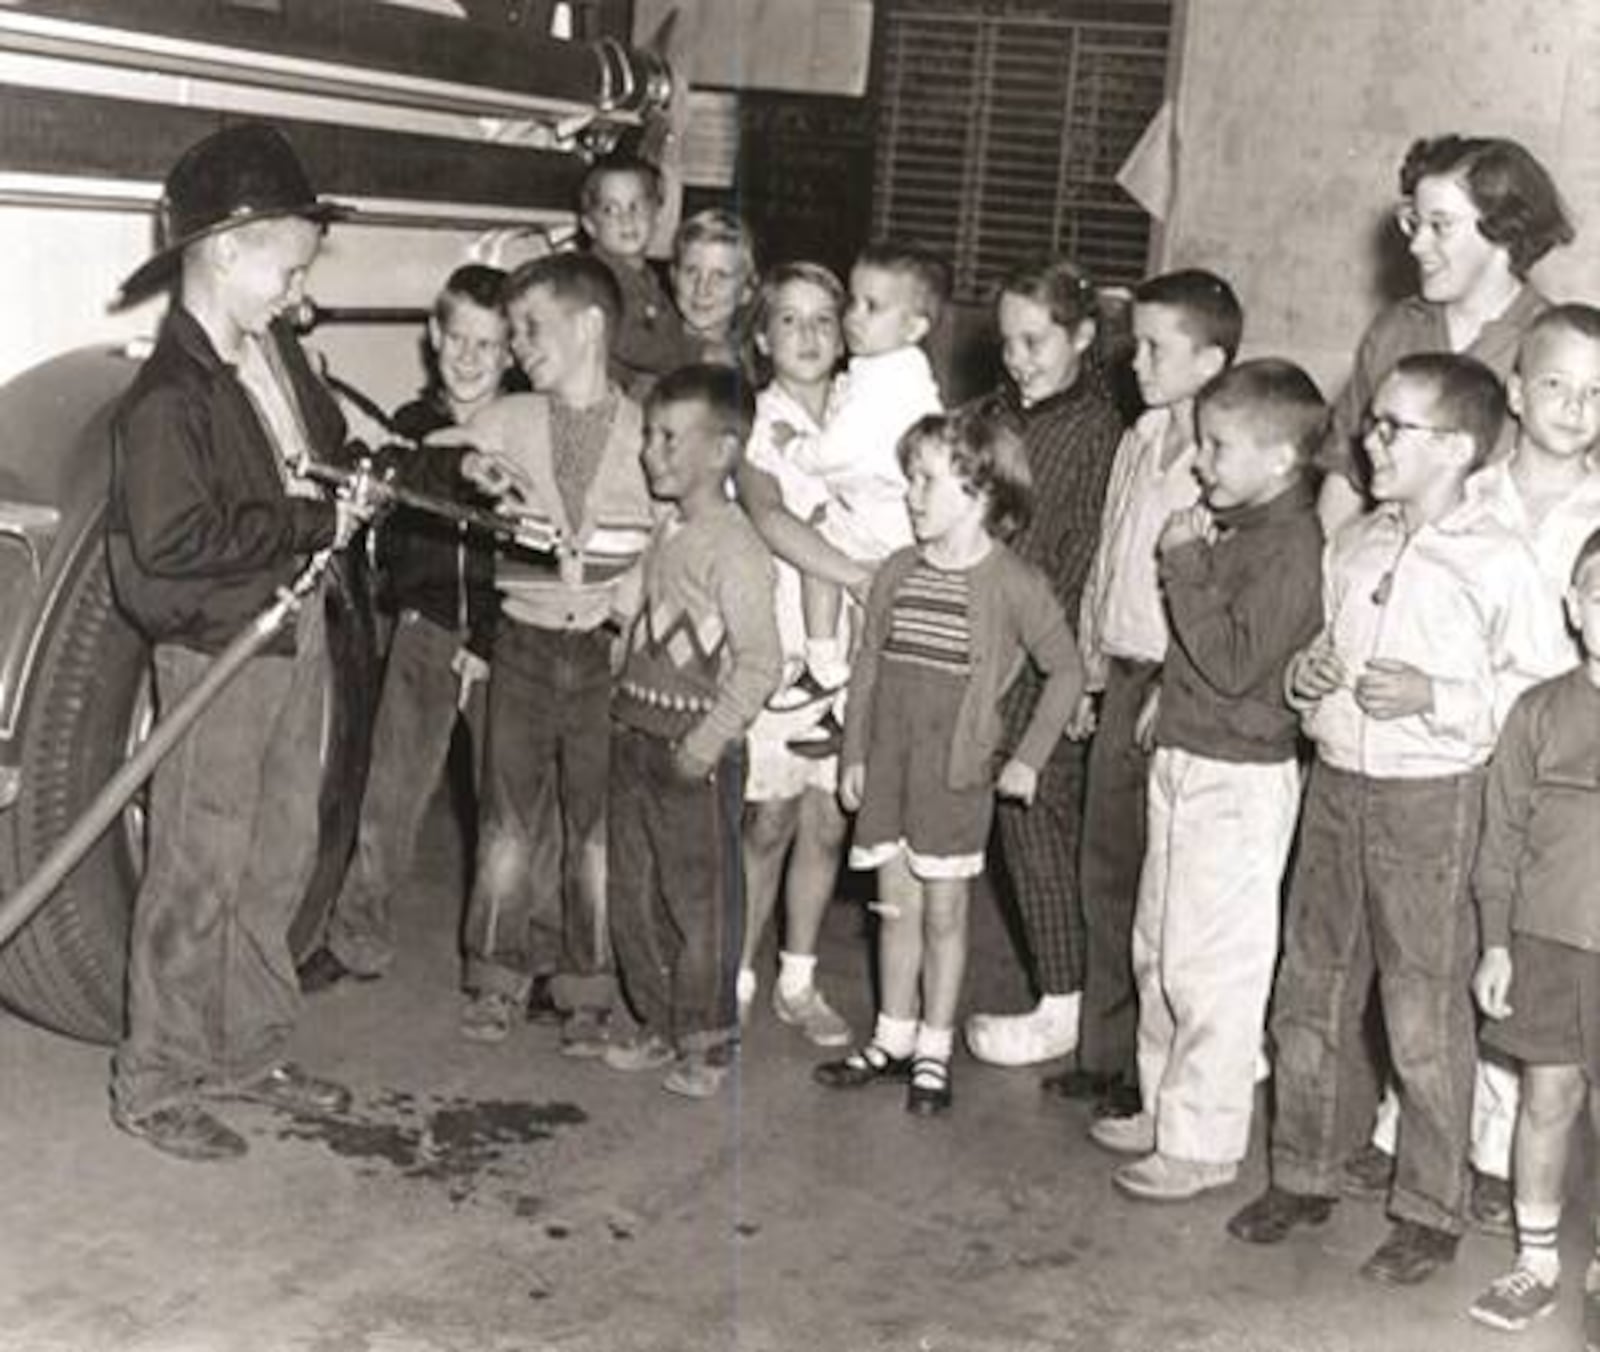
(18, 907)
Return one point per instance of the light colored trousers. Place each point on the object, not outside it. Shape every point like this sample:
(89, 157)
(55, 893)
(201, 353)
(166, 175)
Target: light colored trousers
(1205, 943)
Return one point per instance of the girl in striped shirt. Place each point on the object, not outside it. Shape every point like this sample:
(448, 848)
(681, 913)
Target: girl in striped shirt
(949, 624)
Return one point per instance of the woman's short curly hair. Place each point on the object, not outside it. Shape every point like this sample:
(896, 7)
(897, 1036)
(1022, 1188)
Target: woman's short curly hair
(1519, 205)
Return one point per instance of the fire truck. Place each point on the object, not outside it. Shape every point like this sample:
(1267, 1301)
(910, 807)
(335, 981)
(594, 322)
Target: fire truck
(456, 129)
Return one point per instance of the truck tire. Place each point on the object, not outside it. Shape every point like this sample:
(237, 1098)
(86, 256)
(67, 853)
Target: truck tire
(66, 968)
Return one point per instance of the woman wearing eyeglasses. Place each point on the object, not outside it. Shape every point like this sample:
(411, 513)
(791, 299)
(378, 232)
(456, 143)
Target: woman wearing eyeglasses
(1477, 214)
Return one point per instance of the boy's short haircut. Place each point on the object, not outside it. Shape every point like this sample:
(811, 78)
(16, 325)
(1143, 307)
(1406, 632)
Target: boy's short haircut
(928, 274)
(609, 166)
(1207, 308)
(578, 280)
(987, 454)
(717, 225)
(1280, 402)
(477, 283)
(1574, 317)
(1519, 205)
(1467, 396)
(1060, 286)
(1588, 551)
(823, 278)
(720, 390)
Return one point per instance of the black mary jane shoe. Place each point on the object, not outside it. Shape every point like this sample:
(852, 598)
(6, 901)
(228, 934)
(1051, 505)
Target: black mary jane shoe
(866, 1065)
(930, 1093)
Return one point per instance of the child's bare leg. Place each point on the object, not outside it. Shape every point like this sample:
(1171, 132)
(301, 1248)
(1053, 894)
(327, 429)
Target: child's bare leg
(900, 931)
(769, 827)
(1552, 1100)
(820, 603)
(945, 938)
(808, 889)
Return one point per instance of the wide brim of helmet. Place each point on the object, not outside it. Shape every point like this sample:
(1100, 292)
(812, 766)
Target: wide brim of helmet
(157, 270)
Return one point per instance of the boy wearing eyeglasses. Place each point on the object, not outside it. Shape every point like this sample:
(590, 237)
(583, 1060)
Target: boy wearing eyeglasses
(1547, 492)
(1433, 627)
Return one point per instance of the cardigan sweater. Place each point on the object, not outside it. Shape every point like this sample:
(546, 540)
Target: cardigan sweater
(1012, 616)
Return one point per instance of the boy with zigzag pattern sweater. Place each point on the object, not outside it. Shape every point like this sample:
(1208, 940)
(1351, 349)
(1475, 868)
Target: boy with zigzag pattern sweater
(702, 658)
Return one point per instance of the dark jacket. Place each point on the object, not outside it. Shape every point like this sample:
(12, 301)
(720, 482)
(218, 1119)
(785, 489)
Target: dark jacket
(1238, 610)
(434, 566)
(200, 530)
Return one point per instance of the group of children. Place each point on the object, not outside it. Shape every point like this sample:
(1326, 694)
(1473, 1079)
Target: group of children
(1128, 637)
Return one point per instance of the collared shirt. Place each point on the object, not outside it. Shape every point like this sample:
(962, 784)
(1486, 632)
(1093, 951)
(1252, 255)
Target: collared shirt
(1538, 869)
(1410, 326)
(1121, 613)
(1556, 537)
(1460, 599)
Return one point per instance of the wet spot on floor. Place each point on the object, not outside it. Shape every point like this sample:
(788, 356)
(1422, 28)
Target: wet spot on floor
(456, 1142)
(747, 1228)
(558, 1230)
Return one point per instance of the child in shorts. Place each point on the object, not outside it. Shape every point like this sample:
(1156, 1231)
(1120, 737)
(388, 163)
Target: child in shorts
(949, 624)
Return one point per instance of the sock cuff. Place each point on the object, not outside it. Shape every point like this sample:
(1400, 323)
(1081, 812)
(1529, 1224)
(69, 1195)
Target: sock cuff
(936, 1043)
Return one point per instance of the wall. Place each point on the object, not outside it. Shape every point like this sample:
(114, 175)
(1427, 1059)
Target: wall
(1293, 117)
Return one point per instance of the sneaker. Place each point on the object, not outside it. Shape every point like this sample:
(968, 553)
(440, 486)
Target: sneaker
(1514, 1301)
(1367, 1174)
(1021, 1039)
(1270, 1218)
(289, 1088)
(643, 1051)
(585, 1033)
(1135, 1135)
(185, 1131)
(696, 1077)
(1411, 1254)
(1489, 1204)
(812, 1015)
(1161, 1178)
(487, 1017)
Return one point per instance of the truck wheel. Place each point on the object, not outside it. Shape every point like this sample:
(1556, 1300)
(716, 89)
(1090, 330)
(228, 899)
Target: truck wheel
(66, 968)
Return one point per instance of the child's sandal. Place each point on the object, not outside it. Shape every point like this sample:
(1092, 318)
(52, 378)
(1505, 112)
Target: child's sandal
(869, 1064)
(930, 1087)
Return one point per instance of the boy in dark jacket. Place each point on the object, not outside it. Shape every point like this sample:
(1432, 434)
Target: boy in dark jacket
(209, 516)
(440, 587)
(1241, 580)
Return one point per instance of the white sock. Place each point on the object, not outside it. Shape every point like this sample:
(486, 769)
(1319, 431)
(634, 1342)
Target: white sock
(744, 986)
(796, 971)
(1537, 1227)
(934, 1043)
(1060, 1008)
(898, 1037)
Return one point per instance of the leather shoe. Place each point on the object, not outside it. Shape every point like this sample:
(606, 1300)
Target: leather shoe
(288, 1087)
(185, 1131)
(1121, 1100)
(324, 969)
(1270, 1218)
(1079, 1084)
(1410, 1255)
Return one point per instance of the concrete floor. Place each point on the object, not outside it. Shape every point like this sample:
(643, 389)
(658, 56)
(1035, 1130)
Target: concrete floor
(503, 1199)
